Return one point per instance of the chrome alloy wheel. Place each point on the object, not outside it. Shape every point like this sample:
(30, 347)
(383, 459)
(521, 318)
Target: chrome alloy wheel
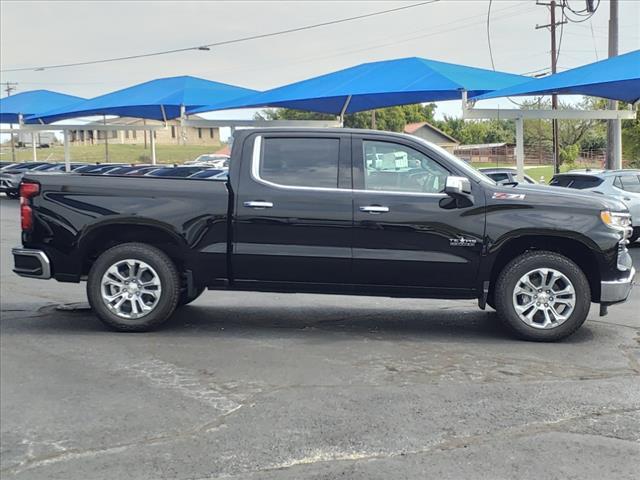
(130, 288)
(544, 298)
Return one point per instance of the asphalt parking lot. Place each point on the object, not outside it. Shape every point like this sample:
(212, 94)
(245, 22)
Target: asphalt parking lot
(248, 385)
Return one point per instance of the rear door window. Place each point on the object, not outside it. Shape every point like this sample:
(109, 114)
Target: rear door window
(499, 177)
(579, 182)
(629, 183)
(301, 162)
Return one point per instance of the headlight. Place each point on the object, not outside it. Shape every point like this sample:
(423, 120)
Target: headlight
(617, 221)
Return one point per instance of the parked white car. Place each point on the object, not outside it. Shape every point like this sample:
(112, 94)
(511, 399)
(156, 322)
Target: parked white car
(621, 184)
(214, 160)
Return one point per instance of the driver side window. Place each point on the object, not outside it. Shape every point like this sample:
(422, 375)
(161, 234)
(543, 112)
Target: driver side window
(397, 168)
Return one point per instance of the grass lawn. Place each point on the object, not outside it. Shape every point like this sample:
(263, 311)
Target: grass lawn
(118, 153)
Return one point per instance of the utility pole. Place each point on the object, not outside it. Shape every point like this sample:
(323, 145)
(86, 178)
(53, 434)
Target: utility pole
(10, 87)
(614, 127)
(554, 60)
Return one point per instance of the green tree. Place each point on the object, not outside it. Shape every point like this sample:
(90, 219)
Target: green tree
(391, 118)
(585, 134)
(478, 131)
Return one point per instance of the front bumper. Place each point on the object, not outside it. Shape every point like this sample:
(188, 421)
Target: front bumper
(31, 263)
(617, 291)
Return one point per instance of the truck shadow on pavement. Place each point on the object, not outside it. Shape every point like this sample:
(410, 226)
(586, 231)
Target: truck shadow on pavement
(321, 322)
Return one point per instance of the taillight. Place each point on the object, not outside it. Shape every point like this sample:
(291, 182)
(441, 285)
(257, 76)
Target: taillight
(28, 190)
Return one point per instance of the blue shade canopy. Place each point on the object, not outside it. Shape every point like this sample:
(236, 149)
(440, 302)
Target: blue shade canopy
(32, 103)
(376, 85)
(149, 99)
(616, 78)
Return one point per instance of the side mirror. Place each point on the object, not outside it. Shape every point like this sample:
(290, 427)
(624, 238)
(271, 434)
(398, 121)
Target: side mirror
(457, 186)
(459, 189)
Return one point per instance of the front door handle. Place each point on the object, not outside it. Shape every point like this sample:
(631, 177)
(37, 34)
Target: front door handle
(374, 209)
(258, 204)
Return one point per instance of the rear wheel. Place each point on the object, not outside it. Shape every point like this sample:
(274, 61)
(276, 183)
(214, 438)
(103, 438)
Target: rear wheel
(542, 296)
(133, 287)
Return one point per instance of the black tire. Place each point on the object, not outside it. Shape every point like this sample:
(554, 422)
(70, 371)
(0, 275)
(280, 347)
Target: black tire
(185, 299)
(527, 262)
(635, 235)
(167, 275)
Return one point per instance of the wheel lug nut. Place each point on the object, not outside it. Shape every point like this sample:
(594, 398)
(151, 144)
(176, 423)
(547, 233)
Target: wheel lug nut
(546, 304)
(537, 304)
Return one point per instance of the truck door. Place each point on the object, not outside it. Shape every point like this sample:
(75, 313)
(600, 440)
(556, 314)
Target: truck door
(403, 237)
(294, 209)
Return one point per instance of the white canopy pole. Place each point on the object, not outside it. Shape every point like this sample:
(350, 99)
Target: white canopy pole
(67, 152)
(164, 114)
(152, 138)
(183, 132)
(33, 147)
(520, 148)
(344, 109)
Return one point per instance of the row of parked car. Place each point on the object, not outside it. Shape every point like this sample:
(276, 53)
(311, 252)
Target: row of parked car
(209, 167)
(622, 184)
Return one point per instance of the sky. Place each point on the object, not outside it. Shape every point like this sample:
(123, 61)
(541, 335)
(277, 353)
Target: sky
(35, 33)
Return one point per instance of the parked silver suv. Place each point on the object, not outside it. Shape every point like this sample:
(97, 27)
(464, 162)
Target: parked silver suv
(621, 184)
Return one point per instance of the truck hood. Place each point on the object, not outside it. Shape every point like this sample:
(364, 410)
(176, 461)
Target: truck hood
(562, 197)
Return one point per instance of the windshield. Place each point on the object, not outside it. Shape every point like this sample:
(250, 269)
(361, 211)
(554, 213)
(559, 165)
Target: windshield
(464, 166)
(206, 173)
(175, 172)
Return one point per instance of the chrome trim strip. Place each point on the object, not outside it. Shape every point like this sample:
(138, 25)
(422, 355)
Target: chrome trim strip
(45, 264)
(258, 204)
(255, 175)
(374, 209)
(616, 291)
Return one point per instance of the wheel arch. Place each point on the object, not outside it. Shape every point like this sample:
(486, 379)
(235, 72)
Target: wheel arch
(577, 249)
(101, 236)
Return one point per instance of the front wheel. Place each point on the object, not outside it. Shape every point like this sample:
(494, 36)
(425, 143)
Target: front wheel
(133, 287)
(542, 296)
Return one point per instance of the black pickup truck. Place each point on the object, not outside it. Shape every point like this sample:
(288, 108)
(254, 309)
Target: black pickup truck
(329, 211)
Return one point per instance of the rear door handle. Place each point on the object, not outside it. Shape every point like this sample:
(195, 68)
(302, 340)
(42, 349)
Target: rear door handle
(258, 204)
(374, 209)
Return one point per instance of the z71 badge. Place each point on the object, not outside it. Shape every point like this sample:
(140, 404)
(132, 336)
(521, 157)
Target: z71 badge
(508, 196)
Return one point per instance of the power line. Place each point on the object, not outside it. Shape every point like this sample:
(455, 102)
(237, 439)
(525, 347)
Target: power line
(431, 32)
(595, 45)
(208, 46)
(584, 14)
(493, 66)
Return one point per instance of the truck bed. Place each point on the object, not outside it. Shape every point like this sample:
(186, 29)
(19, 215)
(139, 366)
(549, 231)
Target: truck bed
(83, 212)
